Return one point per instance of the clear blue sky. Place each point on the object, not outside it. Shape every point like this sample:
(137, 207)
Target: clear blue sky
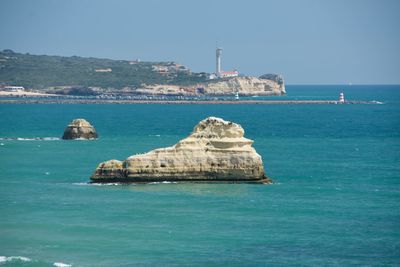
(308, 41)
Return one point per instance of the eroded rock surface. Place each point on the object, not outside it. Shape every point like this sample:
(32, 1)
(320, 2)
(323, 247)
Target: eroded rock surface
(267, 84)
(79, 129)
(216, 151)
(245, 86)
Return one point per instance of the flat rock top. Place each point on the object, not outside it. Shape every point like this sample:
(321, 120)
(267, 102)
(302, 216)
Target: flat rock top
(80, 123)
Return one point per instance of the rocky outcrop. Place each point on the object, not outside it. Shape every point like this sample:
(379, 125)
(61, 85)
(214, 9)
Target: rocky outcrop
(79, 129)
(273, 77)
(216, 151)
(267, 84)
(245, 86)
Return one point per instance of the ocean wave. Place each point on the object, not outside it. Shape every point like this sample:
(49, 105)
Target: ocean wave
(21, 260)
(101, 184)
(121, 184)
(60, 264)
(84, 139)
(4, 259)
(80, 183)
(156, 135)
(163, 182)
(30, 139)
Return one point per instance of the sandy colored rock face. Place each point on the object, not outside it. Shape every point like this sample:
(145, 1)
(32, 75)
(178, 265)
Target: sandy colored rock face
(79, 128)
(216, 151)
(245, 86)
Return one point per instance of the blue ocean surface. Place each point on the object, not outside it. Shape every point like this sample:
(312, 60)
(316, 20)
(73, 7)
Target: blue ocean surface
(335, 201)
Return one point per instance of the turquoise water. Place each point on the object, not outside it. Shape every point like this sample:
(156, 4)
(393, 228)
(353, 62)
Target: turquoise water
(336, 201)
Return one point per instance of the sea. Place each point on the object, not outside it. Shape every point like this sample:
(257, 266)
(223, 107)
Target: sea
(335, 200)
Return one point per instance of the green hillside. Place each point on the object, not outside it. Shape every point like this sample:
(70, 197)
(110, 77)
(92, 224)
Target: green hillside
(40, 72)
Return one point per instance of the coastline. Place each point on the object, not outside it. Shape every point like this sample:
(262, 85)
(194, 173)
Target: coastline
(201, 102)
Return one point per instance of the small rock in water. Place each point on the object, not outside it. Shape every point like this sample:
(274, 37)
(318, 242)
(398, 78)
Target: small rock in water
(79, 129)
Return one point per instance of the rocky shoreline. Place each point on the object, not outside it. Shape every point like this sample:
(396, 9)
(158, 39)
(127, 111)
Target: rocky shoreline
(233, 102)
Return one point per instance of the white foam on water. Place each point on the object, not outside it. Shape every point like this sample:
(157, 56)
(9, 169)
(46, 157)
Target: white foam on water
(29, 139)
(60, 264)
(13, 258)
(80, 183)
(156, 135)
(100, 184)
(51, 138)
(84, 139)
(163, 182)
(97, 184)
(120, 184)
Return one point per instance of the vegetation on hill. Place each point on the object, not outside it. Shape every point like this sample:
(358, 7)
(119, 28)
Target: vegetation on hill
(41, 72)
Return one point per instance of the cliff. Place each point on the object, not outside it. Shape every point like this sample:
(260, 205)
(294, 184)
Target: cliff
(246, 86)
(216, 151)
(268, 84)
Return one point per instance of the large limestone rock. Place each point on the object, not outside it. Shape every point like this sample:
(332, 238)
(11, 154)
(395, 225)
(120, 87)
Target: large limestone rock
(216, 151)
(79, 129)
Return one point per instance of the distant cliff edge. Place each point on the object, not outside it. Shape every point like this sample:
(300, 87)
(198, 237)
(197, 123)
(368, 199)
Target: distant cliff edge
(79, 76)
(267, 84)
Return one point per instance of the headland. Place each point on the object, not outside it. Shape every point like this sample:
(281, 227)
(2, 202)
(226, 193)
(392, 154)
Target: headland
(41, 75)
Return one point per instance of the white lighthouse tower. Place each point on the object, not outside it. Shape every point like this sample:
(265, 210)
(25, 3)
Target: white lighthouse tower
(219, 73)
(218, 54)
(341, 98)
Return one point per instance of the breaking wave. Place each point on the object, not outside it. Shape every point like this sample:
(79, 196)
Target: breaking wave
(123, 184)
(101, 184)
(4, 259)
(30, 139)
(20, 260)
(60, 264)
